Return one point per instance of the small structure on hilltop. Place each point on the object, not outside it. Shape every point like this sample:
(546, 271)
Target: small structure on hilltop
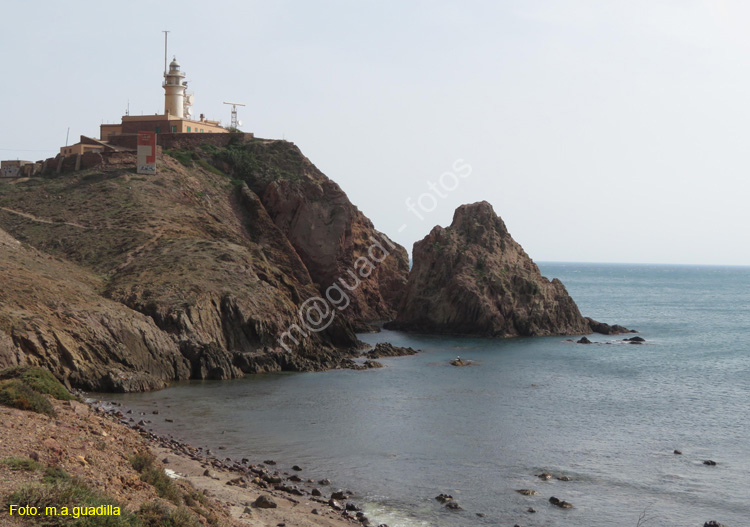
(15, 168)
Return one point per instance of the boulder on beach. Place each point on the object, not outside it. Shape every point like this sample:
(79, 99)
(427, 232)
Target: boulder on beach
(264, 502)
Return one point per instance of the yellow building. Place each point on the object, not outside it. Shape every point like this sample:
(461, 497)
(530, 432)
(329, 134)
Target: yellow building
(161, 124)
(175, 120)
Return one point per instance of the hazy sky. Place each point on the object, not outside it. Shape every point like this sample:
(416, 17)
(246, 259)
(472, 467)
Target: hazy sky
(601, 131)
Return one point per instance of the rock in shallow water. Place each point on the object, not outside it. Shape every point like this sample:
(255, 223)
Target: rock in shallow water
(560, 503)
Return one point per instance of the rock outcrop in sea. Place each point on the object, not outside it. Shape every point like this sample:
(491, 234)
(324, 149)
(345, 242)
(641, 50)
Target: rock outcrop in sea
(473, 278)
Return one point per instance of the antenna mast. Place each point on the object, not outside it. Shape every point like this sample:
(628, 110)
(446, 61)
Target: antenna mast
(235, 122)
(165, 51)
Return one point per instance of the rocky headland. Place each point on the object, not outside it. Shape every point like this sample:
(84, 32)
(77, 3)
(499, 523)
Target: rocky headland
(121, 282)
(473, 278)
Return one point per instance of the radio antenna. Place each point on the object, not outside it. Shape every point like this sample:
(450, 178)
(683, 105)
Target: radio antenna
(165, 51)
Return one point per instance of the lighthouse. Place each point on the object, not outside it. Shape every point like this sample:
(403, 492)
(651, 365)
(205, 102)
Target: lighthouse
(174, 90)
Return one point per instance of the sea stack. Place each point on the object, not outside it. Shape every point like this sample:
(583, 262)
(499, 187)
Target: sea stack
(472, 278)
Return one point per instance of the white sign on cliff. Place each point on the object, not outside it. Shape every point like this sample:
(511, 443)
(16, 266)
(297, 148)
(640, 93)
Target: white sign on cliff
(146, 162)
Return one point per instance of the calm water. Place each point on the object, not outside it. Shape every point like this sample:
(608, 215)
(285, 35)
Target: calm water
(608, 416)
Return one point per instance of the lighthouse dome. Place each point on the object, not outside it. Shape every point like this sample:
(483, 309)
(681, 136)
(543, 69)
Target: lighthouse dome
(174, 65)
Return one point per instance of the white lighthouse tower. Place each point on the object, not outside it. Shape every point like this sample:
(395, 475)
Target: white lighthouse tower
(174, 90)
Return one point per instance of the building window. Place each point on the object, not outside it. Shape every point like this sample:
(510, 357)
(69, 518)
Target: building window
(158, 129)
(201, 130)
(174, 128)
(188, 128)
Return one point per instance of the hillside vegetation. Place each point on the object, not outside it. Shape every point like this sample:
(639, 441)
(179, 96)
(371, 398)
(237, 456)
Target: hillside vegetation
(118, 281)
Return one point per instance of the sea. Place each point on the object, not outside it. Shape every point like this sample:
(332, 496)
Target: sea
(607, 415)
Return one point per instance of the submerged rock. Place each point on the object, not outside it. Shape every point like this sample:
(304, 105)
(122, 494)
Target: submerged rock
(386, 349)
(606, 329)
(560, 503)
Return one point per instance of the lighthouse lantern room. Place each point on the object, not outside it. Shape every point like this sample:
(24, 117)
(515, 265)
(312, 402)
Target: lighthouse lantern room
(174, 90)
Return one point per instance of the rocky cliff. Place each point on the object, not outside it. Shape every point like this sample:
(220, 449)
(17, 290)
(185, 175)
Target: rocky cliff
(52, 315)
(126, 282)
(472, 278)
(327, 231)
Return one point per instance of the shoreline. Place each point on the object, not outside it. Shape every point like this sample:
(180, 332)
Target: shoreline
(93, 445)
(239, 483)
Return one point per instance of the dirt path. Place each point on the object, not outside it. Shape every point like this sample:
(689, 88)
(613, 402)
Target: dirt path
(42, 220)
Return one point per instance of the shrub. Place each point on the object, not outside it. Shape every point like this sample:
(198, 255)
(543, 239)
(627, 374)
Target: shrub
(16, 394)
(55, 475)
(39, 380)
(210, 149)
(70, 493)
(142, 461)
(20, 463)
(182, 156)
(156, 477)
(158, 515)
(205, 165)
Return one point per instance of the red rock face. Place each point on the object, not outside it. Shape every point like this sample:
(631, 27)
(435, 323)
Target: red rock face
(474, 279)
(329, 233)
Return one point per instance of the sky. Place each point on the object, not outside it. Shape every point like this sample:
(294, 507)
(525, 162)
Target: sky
(600, 131)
